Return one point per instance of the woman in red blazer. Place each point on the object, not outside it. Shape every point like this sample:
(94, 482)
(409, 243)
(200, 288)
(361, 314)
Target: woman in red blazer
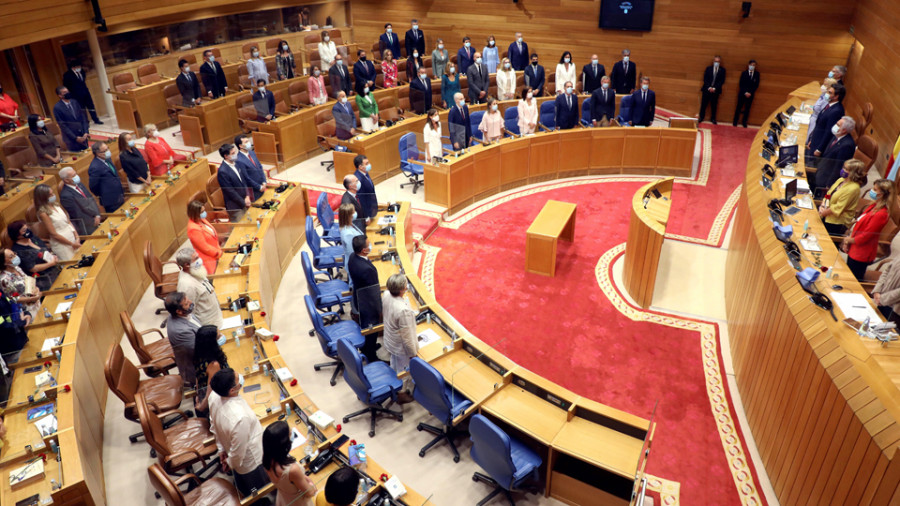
(861, 244)
(203, 236)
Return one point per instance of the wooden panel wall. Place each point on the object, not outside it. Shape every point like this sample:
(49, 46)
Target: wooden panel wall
(26, 21)
(874, 70)
(795, 42)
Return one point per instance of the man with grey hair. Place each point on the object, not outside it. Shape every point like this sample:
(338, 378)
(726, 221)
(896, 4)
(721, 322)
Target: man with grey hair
(624, 74)
(399, 329)
(839, 149)
(460, 126)
(837, 73)
(193, 283)
(181, 329)
(103, 178)
(79, 202)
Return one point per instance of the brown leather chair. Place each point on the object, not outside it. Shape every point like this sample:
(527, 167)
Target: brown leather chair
(865, 119)
(179, 446)
(335, 35)
(245, 50)
(123, 81)
(162, 394)
(244, 78)
(281, 107)
(214, 191)
(403, 98)
(299, 93)
(148, 74)
(272, 46)
(247, 119)
(212, 491)
(173, 101)
(163, 283)
(387, 109)
(36, 225)
(866, 151)
(53, 128)
(158, 355)
(272, 69)
(315, 59)
(21, 160)
(311, 41)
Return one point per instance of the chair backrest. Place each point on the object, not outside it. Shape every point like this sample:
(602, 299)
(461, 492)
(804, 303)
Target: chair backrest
(866, 151)
(281, 107)
(173, 96)
(586, 110)
(865, 118)
(152, 427)
(323, 115)
(272, 46)
(511, 119)
(312, 238)
(123, 378)
(318, 324)
(148, 73)
(491, 450)
(299, 92)
(625, 109)
(167, 490)
(326, 129)
(474, 121)
(324, 211)
(135, 338)
(152, 264)
(408, 150)
(311, 287)
(431, 390)
(353, 370)
(123, 81)
(19, 152)
(548, 114)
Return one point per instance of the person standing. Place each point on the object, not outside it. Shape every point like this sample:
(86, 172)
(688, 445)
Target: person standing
(491, 126)
(193, 282)
(460, 126)
(263, 102)
(861, 244)
(713, 79)
(44, 143)
(624, 74)
(181, 329)
(133, 164)
(440, 57)
(203, 236)
(643, 104)
(420, 95)
(368, 111)
(830, 115)
(327, 51)
(388, 40)
(528, 112)
(256, 67)
(339, 75)
(491, 55)
(565, 72)
(399, 330)
(479, 81)
(208, 360)
(838, 208)
(74, 80)
(415, 39)
(344, 118)
(284, 61)
(506, 81)
(366, 291)
(534, 76)
(294, 487)
(465, 56)
(213, 76)
(63, 237)
(104, 180)
(388, 69)
(188, 84)
(449, 85)
(352, 185)
(518, 53)
(9, 109)
(347, 217)
(364, 72)
(78, 201)
(160, 156)
(603, 104)
(249, 164)
(746, 91)
(233, 184)
(432, 136)
(567, 108)
(318, 93)
(591, 75)
(71, 120)
(839, 148)
(366, 193)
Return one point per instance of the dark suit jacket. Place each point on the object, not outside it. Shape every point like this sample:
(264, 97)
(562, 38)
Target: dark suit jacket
(566, 115)
(748, 85)
(518, 59)
(592, 78)
(363, 71)
(366, 290)
(78, 88)
(623, 82)
(344, 119)
(72, 123)
(253, 170)
(833, 158)
(412, 67)
(82, 210)
(213, 78)
(105, 184)
(535, 78)
(709, 82)
(264, 105)
(366, 195)
(420, 95)
(339, 82)
(348, 198)
(465, 58)
(189, 89)
(601, 107)
(478, 81)
(393, 44)
(413, 43)
(234, 188)
(642, 112)
(460, 126)
(827, 119)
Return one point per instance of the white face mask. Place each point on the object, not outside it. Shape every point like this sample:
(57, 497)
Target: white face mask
(752, 68)
(416, 54)
(529, 96)
(248, 144)
(645, 87)
(506, 65)
(478, 61)
(491, 43)
(440, 46)
(255, 54)
(415, 27)
(326, 38)
(625, 59)
(284, 47)
(423, 76)
(358, 185)
(436, 119)
(52, 199)
(467, 44)
(452, 70)
(317, 72)
(604, 86)
(198, 263)
(186, 70)
(569, 90)
(389, 30)
(494, 107)
(343, 100)
(41, 124)
(567, 59)
(212, 58)
(366, 90)
(595, 61)
(519, 40)
(262, 88)
(835, 130)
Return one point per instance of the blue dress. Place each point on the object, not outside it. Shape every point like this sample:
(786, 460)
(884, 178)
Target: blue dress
(491, 57)
(449, 88)
(347, 235)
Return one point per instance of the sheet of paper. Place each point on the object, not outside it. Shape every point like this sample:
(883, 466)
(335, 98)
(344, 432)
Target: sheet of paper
(46, 425)
(297, 439)
(788, 172)
(856, 306)
(63, 307)
(801, 117)
(804, 202)
(49, 343)
(387, 220)
(232, 322)
(810, 245)
(427, 337)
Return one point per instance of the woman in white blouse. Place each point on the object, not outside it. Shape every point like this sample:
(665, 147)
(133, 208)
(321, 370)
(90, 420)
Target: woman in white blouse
(327, 52)
(256, 67)
(528, 112)
(506, 81)
(432, 134)
(565, 72)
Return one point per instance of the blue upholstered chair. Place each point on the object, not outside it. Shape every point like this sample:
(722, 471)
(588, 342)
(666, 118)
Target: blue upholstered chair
(373, 384)
(328, 257)
(441, 400)
(547, 115)
(410, 165)
(586, 112)
(326, 293)
(511, 120)
(508, 462)
(328, 336)
(624, 117)
(475, 122)
(331, 232)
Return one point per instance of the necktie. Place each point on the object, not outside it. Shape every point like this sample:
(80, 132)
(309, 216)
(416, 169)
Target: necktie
(519, 45)
(594, 66)
(715, 71)
(604, 95)
(79, 191)
(645, 97)
(833, 142)
(626, 67)
(416, 35)
(71, 109)
(569, 101)
(751, 74)
(188, 77)
(111, 166)
(79, 76)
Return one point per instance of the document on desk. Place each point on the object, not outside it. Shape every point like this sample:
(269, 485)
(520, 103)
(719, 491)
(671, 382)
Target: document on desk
(802, 184)
(856, 306)
(427, 337)
(801, 117)
(63, 307)
(387, 220)
(297, 439)
(804, 202)
(810, 245)
(231, 322)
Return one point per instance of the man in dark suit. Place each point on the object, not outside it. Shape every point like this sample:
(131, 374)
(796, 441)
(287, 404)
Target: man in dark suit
(643, 104)
(249, 165)
(79, 202)
(74, 80)
(567, 108)
(839, 148)
(465, 56)
(104, 179)
(420, 92)
(339, 75)
(213, 76)
(388, 40)
(364, 73)
(747, 90)
(460, 126)
(603, 103)
(415, 39)
(518, 54)
(233, 183)
(366, 291)
(263, 102)
(624, 74)
(713, 79)
(534, 76)
(188, 84)
(591, 75)
(344, 118)
(479, 81)
(71, 120)
(366, 194)
(352, 185)
(829, 117)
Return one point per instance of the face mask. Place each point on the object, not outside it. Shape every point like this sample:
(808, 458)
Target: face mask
(240, 381)
(436, 119)
(494, 107)
(77, 69)
(831, 74)
(645, 87)
(317, 72)
(203, 215)
(844, 173)
(595, 61)
(198, 263)
(262, 88)
(76, 179)
(232, 158)
(835, 129)
(827, 97)
(41, 124)
(248, 144)
(416, 54)
(131, 143)
(16, 261)
(567, 59)
(354, 215)
(422, 76)
(467, 44)
(872, 195)
(626, 58)
(325, 38)
(366, 90)
(28, 234)
(478, 61)
(569, 90)
(343, 100)
(52, 199)
(752, 68)
(190, 309)
(256, 54)
(339, 62)
(604, 85)
(368, 167)
(529, 96)
(108, 154)
(186, 70)
(716, 64)
(415, 27)
(452, 70)
(358, 185)
(491, 43)
(212, 58)
(519, 39)
(68, 96)
(389, 30)
(284, 47)
(220, 340)
(440, 46)
(362, 58)
(534, 62)
(506, 65)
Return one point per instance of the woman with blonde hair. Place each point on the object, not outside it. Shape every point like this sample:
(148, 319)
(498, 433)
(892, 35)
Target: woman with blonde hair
(839, 205)
(160, 156)
(63, 237)
(348, 229)
(389, 69)
(861, 244)
(492, 122)
(506, 81)
(327, 51)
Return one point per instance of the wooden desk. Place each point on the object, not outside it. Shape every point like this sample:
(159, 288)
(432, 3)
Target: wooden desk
(556, 220)
(649, 215)
(148, 105)
(218, 120)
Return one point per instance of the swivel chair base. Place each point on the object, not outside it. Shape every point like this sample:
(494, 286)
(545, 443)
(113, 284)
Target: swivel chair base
(442, 434)
(374, 410)
(328, 165)
(415, 182)
(166, 424)
(497, 489)
(338, 368)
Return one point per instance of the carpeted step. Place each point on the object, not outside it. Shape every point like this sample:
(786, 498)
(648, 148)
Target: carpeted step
(424, 224)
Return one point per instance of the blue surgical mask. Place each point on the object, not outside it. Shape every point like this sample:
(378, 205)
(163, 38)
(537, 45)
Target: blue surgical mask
(645, 87)
(467, 44)
(872, 195)
(203, 215)
(131, 143)
(605, 85)
(212, 59)
(16, 261)
(41, 124)
(569, 89)
(108, 154)
(358, 185)
(368, 167)
(76, 179)
(221, 340)
(354, 215)
(52, 199)
(827, 97)
(831, 74)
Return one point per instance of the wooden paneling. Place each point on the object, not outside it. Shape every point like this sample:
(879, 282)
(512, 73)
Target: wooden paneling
(646, 231)
(25, 21)
(685, 36)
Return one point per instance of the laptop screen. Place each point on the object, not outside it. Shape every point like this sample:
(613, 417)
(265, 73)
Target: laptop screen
(790, 189)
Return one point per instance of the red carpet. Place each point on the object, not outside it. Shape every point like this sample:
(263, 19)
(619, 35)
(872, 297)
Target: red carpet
(565, 329)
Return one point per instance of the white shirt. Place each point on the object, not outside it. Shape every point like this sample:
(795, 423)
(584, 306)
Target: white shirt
(563, 76)
(237, 430)
(256, 69)
(506, 83)
(432, 142)
(234, 168)
(327, 51)
(206, 306)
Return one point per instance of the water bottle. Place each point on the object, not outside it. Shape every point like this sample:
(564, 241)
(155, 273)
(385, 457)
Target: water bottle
(47, 314)
(237, 340)
(361, 492)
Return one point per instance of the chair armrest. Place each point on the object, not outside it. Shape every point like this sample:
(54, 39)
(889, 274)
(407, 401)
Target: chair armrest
(195, 453)
(145, 332)
(171, 412)
(189, 476)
